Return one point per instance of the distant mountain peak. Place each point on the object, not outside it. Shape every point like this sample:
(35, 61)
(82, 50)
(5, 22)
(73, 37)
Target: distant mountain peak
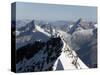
(75, 26)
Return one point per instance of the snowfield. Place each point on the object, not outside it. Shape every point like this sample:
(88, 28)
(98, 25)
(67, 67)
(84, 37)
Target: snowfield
(66, 59)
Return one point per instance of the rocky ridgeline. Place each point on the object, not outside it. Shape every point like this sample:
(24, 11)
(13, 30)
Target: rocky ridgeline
(38, 56)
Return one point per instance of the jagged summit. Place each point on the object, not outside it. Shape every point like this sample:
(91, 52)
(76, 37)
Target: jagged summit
(75, 26)
(28, 27)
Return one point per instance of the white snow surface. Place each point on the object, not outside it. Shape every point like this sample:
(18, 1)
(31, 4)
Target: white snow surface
(42, 30)
(66, 58)
(96, 25)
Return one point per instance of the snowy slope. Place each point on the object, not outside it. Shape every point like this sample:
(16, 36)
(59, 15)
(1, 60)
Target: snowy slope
(67, 57)
(42, 30)
(24, 38)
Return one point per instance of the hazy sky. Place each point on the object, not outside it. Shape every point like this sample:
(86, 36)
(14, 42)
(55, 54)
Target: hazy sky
(54, 12)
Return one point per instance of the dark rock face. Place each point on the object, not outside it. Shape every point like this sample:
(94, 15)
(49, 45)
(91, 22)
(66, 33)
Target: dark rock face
(28, 51)
(88, 54)
(38, 56)
(75, 26)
